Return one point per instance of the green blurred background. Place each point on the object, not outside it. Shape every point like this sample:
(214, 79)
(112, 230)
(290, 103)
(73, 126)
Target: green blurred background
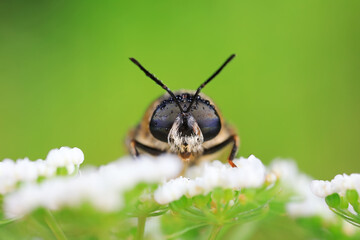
(292, 91)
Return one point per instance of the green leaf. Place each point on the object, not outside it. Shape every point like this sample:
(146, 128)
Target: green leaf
(333, 200)
(353, 198)
(344, 204)
(7, 221)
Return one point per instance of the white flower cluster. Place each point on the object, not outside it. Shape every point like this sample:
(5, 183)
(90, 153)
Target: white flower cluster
(339, 184)
(305, 203)
(250, 172)
(101, 187)
(24, 170)
(65, 157)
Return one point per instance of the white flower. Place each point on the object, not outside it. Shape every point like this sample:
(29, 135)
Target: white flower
(43, 169)
(24, 170)
(101, 187)
(285, 170)
(309, 206)
(355, 177)
(193, 188)
(321, 188)
(339, 184)
(271, 177)
(172, 190)
(64, 157)
(250, 172)
(304, 204)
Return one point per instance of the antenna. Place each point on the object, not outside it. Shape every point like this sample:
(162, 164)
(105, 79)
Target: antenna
(147, 73)
(208, 80)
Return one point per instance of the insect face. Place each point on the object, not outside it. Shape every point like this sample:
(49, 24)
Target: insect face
(184, 123)
(185, 136)
(203, 113)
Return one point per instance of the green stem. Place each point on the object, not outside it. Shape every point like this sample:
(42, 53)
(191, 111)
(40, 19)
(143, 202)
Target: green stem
(141, 227)
(54, 226)
(215, 231)
(177, 234)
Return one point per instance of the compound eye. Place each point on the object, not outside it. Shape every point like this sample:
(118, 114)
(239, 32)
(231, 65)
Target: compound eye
(207, 119)
(163, 119)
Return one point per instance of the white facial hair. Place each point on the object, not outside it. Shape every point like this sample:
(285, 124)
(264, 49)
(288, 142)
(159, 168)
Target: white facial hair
(178, 143)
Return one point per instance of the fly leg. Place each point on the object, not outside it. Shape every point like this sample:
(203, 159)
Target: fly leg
(234, 139)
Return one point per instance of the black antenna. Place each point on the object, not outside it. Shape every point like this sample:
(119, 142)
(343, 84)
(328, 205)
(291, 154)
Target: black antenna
(208, 80)
(147, 73)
